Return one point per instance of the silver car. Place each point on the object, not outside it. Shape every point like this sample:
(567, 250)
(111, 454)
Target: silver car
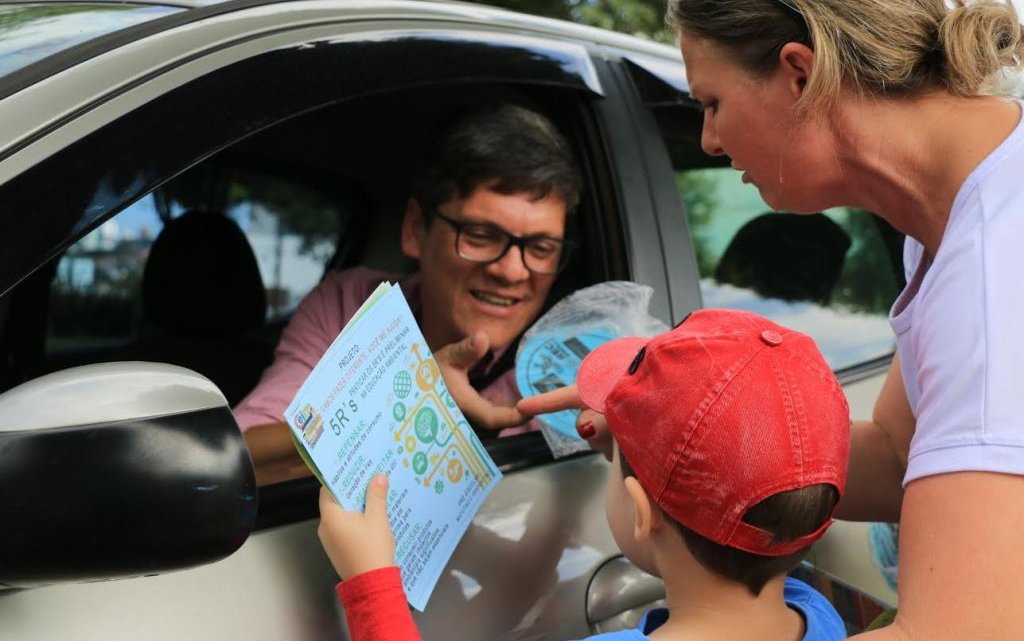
(119, 456)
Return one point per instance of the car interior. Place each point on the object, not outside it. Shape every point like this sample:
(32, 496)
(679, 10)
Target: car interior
(191, 293)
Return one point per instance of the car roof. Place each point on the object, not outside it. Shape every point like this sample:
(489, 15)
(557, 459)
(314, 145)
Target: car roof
(427, 10)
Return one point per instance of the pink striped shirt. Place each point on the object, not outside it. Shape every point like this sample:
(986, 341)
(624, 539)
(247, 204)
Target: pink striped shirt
(312, 329)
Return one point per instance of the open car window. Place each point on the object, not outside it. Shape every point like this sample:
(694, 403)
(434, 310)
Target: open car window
(313, 174)
(96, 299)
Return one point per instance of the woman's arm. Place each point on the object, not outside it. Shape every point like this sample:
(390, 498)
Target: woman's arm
(961, 573)
(878, 456)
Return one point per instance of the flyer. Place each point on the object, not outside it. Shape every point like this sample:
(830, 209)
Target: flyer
(375, 403)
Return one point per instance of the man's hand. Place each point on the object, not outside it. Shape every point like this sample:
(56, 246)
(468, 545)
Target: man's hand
(358, 542)
(455, 361)
(590, 424)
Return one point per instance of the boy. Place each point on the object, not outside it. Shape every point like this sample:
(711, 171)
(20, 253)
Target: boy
(731, 438)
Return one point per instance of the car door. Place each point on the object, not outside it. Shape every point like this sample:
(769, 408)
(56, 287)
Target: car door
(159, 108)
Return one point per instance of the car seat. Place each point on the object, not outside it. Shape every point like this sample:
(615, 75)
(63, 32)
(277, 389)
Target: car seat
(792, 257)
(202, 302)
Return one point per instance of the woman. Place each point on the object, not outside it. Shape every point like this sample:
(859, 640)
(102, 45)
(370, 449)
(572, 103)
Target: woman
(883, 105)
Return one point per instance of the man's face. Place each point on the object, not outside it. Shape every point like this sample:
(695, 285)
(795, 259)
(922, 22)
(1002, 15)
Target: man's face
(460, 297)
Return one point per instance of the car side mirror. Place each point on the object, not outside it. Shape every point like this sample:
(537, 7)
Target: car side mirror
(116, 470)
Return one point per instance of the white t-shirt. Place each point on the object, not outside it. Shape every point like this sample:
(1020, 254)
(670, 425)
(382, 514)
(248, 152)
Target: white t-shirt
(960, 326)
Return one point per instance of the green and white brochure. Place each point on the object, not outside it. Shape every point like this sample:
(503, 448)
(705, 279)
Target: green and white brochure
(375, 403)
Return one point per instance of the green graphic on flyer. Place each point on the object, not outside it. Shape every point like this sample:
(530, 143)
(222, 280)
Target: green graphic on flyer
(432, 448)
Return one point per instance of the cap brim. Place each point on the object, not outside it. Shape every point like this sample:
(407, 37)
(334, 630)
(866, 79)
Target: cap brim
(603, 367)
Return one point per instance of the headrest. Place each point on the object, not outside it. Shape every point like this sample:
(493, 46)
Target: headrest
(793, 257)
(202, 279)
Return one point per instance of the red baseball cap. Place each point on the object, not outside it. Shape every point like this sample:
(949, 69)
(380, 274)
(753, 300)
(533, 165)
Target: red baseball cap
(720, 413)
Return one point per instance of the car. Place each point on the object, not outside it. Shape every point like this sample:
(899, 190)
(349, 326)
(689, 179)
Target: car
(298, 120)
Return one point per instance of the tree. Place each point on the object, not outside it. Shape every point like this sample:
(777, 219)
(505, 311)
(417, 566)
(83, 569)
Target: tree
(644, 18)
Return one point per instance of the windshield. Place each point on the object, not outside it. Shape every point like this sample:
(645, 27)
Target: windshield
(31, 32)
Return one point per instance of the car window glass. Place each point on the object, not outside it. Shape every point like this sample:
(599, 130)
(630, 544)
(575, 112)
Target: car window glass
(95, 296)
(829, 275)
(31, 32)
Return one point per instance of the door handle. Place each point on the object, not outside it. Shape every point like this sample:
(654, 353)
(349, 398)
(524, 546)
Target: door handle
(619, 594)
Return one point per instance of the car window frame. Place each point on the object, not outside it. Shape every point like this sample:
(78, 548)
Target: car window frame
(541, 61)
(74, 55)
(655, 215)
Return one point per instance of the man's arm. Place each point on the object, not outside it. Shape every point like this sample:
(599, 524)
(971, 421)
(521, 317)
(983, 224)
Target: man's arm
(878, 455)
(312, 328)
(961, 573)
(273, 454)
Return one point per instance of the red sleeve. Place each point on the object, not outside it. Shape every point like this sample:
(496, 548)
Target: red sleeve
(375, 607)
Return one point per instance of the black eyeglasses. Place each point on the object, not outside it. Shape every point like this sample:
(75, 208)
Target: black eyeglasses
(485, 243)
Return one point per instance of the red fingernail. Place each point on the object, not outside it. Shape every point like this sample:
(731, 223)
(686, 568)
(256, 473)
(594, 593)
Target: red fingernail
(586, 430)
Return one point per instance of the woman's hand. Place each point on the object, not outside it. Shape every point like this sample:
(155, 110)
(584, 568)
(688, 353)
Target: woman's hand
(590, 424)
(563, 398)
(358, 542)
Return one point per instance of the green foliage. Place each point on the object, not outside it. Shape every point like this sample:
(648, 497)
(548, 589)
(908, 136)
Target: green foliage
(14, 17)
(301, 211)
(643, 18)
(868, 283)
(697, 191)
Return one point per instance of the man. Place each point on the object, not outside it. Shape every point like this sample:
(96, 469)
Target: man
(486, 221)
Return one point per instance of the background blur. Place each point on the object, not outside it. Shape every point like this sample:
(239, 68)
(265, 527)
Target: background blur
(646, 18)
(643, 18)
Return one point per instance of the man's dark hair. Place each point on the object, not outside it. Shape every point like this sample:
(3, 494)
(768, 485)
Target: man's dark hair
(508, 148)
(786, 516)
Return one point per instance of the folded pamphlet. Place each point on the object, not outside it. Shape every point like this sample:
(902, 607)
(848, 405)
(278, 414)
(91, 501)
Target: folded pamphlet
(376, 403)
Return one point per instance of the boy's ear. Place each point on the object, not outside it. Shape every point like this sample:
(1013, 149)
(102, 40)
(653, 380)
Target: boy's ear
(795, 63)
(647, 517)
(414, 229)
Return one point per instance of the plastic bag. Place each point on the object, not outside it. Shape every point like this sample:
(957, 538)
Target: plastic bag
(551, 351)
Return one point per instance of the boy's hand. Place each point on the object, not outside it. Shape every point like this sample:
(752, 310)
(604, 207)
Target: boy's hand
(358, 542)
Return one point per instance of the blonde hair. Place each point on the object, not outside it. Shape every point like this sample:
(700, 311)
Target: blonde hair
(888, 48)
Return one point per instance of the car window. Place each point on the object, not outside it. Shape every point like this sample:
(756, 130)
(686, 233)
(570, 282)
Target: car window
(31, 32)
(831, 275)
(365, 129)
(828, 275)
(95, 297)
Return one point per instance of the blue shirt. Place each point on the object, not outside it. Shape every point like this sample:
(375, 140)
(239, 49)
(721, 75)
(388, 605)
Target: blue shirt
(823, 622)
